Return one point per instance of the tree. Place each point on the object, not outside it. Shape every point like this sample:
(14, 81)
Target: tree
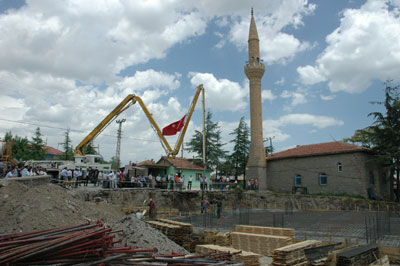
(68, 152)
(20, 147)
(89, 149)
(214, 151)
(384, 134)
(37, 151)
(240, 154)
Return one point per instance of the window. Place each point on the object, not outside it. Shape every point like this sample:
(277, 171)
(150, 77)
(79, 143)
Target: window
(371, 178)
(339, 167)
(323, 179)
(297, 180)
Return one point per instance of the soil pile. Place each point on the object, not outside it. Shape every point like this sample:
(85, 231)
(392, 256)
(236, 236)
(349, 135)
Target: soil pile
(138, 233)
(25, 209)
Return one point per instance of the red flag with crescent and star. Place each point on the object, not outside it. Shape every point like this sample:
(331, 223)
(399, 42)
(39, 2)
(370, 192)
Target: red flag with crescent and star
(174, 128)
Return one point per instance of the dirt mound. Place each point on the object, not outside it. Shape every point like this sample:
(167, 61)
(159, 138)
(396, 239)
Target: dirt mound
(138, 233)
(25, 209)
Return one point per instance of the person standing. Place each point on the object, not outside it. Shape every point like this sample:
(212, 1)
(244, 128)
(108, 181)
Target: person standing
(219, 208)
(204, 206)
(201, 183)
(64, 174)
(190, 180)
(152, 209)
(12, 173)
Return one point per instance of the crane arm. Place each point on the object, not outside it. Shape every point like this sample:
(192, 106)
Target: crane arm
(189, 116)
(125, 104)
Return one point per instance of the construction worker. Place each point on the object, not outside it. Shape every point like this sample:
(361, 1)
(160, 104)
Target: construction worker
(152, 209)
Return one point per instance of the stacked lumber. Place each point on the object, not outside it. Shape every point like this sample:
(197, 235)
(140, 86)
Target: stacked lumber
(293, 255)
(210, 236)
(223, 239)
(167, 212)
(276, 231)
(258, 243)
(173, 232)
(185, 232)
(196, 239)
(249, 258)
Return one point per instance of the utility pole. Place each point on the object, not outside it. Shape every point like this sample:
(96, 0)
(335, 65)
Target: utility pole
(118, 151)
(271, 149)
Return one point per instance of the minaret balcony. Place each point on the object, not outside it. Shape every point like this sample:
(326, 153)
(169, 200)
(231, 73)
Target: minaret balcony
(254, 69)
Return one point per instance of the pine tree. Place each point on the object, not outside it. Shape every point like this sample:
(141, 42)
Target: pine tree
(89, 149)
(214, 151)
(68, 152)
(240, 154)
(37, 151)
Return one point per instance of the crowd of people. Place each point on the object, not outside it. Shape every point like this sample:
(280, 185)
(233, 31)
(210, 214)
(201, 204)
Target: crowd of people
(118, 179)
(25, 171)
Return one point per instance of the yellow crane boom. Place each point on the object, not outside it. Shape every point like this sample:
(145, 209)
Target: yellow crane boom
(125, 104)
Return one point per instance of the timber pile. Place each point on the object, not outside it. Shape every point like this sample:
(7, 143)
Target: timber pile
(276, 231)
(249, 258)
(162, 212)
(362, 255)
(210, 236)
(258, 243)
(293, 255)
(223, 239)
(185, 232)
(196, 239)
(173, 232)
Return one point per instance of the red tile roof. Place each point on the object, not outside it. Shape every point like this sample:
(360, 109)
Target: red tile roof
(318, 149)
(182, 163)
(52, 151)
(147, 162)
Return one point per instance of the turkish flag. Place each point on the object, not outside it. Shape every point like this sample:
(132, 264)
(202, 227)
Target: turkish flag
(174, 128)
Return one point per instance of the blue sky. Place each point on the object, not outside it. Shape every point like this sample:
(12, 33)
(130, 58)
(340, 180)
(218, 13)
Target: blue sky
(68, 64)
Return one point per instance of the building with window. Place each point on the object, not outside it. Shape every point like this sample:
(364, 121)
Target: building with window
(167, 166)
(333, 168)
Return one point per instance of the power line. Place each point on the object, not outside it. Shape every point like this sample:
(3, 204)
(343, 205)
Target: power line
(64, 129)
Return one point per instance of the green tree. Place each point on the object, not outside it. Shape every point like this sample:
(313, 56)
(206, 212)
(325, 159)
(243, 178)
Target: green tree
(384, 134)
(240, 154)
(68, 152)
(89, 149)
(20, 147)
(214, 151)
(37, 151)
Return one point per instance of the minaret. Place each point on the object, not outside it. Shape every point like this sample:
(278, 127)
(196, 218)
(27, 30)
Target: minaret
(254, 69)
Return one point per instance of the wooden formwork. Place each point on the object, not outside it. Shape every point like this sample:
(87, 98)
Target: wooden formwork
(293, 255)
(259, 243)
(276, 231)
(249, 258)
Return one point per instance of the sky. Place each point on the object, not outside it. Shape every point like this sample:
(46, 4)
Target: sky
(68, 64)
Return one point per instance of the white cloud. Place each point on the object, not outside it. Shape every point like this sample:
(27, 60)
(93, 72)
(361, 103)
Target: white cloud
(327, 97)
(297, 98)
(268, 95)
(310, 75)
(217, 91)
(275, 45)
(58, 102)
(280, 82)
(275, 128)
(365, 47)
(92, 43)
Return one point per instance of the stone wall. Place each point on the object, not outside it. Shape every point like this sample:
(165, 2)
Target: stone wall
(29, 181)
(190, 201)
(353, 179)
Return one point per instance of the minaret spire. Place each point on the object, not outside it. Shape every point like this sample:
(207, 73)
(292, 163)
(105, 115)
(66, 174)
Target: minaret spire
(254, 69)
(254, 42)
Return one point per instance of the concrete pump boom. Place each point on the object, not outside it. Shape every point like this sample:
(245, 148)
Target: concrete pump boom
(125, 104)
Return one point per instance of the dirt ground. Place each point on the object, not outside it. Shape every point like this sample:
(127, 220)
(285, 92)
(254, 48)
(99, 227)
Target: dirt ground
(25, 209)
